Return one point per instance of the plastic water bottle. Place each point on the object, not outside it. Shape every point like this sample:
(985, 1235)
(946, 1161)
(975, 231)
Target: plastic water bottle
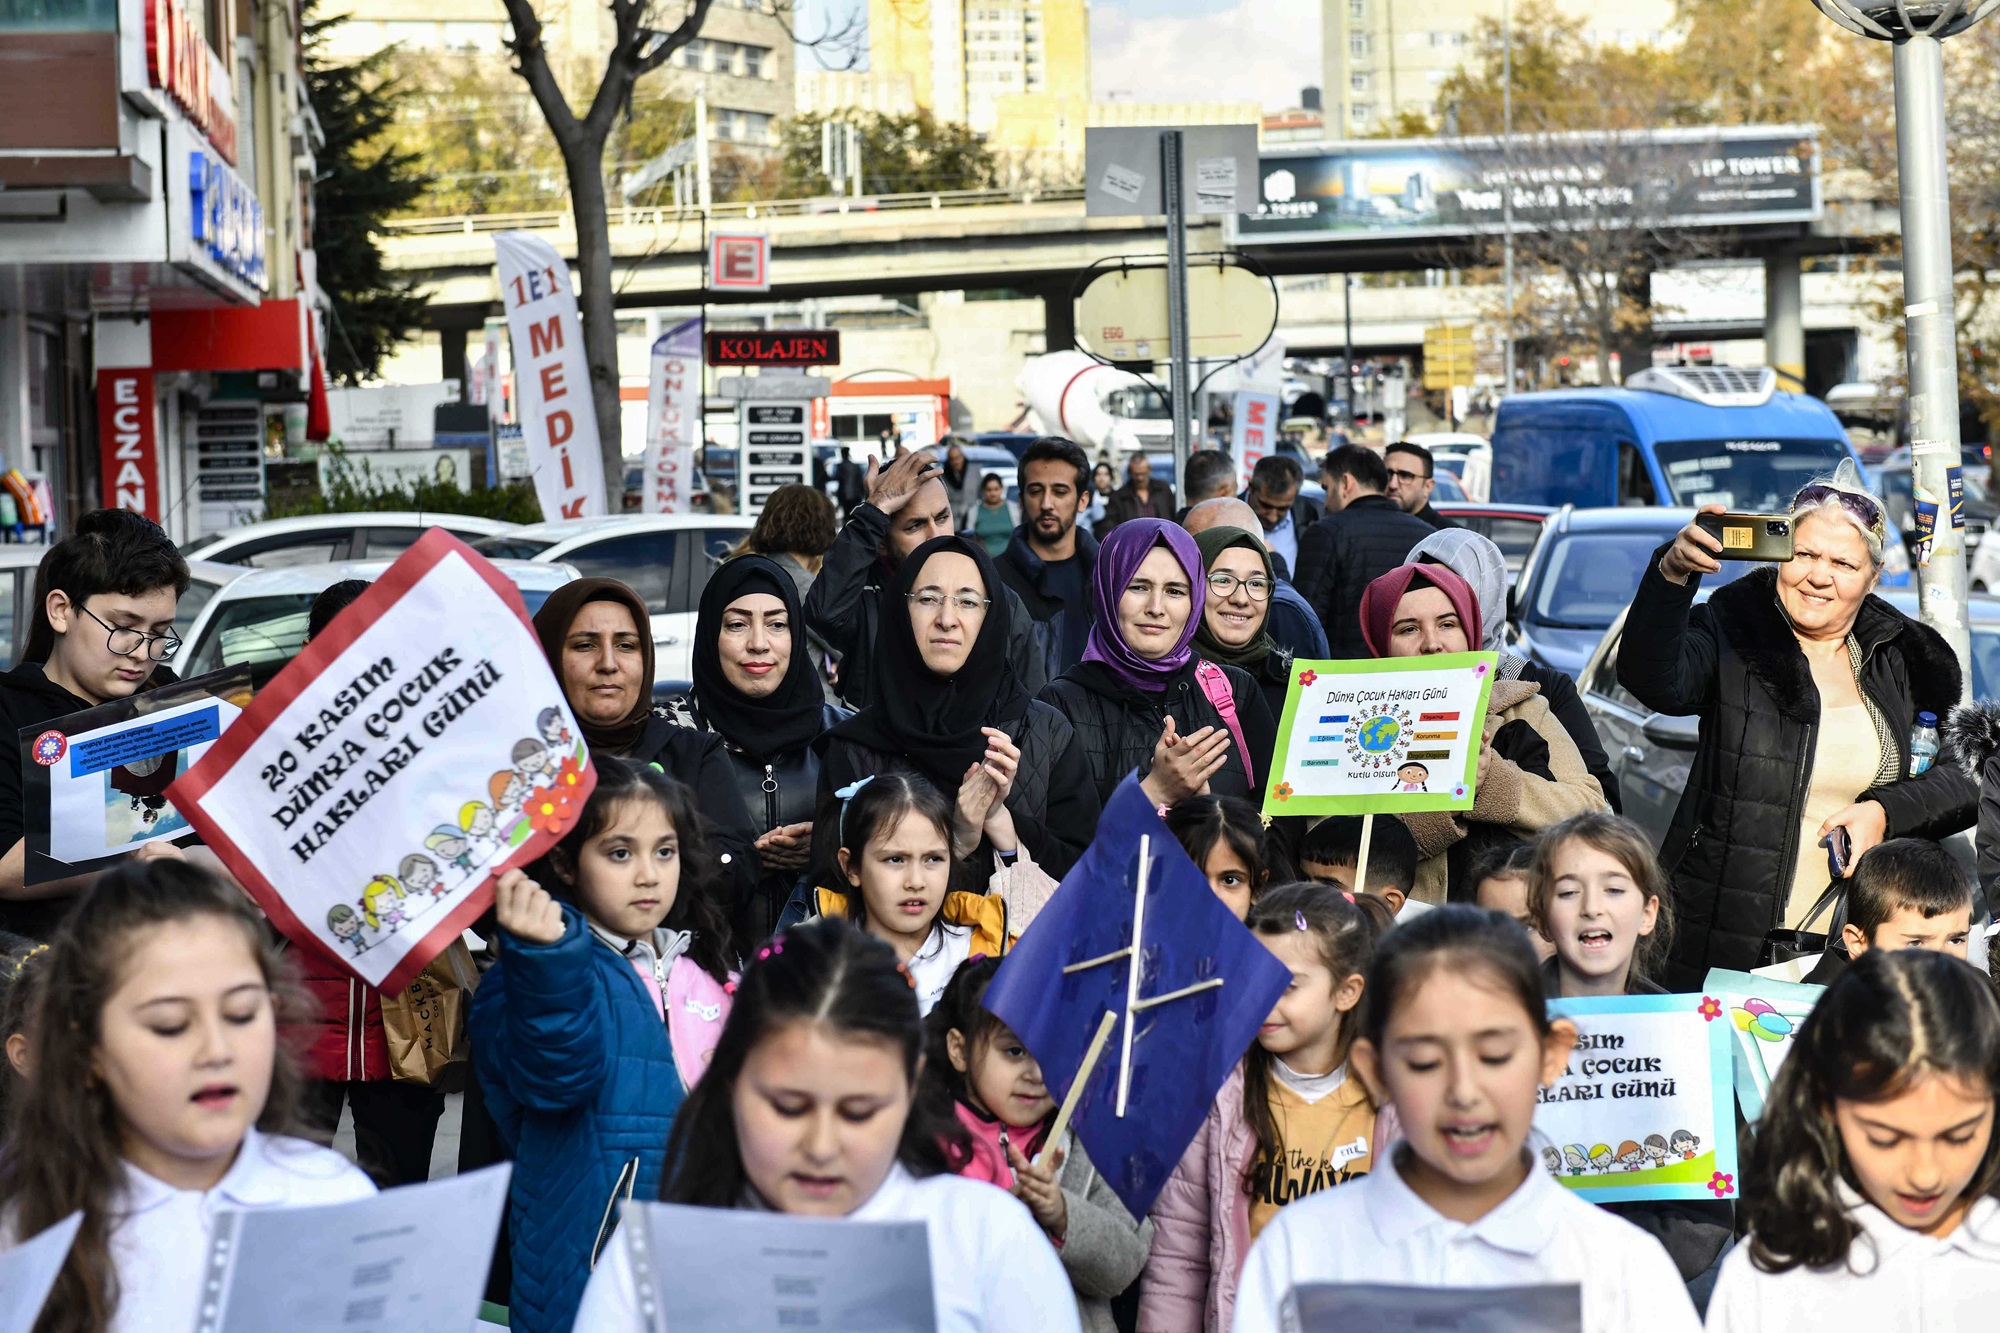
(1923, 744)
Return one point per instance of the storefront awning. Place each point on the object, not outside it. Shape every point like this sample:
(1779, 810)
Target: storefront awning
(268, 336)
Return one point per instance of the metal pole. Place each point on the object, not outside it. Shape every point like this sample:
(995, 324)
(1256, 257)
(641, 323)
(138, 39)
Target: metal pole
(1181, 375)
(1931, 326)
(1347, 365)
(1506, 179)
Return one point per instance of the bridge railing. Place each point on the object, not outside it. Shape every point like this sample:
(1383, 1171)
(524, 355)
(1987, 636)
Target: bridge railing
(666, 214)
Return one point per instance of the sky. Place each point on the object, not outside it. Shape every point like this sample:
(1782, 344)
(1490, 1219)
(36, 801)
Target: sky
(1179, 50)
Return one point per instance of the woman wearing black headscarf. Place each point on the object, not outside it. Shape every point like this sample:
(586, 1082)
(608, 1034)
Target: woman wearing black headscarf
(953, 711)
(755, 687)
(599, 642)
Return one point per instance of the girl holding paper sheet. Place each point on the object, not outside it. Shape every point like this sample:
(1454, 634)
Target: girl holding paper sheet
(976, 1069)
(1291, 1119)
(159, 1094)
(602, 1011)
(811, 1108)
(1455, 1032)
(1869, 1185)
(1531, 774)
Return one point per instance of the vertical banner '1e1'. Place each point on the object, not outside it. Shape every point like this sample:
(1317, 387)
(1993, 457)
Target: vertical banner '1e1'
(673, 419)
(551, 377)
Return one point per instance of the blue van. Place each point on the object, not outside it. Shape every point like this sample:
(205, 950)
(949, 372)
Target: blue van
(1683, 436)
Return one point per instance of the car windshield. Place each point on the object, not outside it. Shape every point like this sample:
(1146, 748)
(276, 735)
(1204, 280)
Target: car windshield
(264, 633)
(1589, 577)
(1748, 476)
(506, 547)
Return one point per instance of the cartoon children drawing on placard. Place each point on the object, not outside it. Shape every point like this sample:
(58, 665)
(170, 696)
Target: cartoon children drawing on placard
(420, 874)
(1631, 1156)
(1656, 1150)
(477, 820)
(1578, 1159)
(508, 790)
(378, 907)
(549, 722)
(1552, 1156)
(1600, 1157)
(449, 843)
(1686, 1144)
(1411, 777)
(345, 925)
(534, 760)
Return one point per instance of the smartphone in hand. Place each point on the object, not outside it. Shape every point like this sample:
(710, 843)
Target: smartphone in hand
(1749, 536)
(1839, 852)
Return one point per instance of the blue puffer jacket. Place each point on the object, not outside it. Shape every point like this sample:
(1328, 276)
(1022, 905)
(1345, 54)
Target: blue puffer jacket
(579, 1073)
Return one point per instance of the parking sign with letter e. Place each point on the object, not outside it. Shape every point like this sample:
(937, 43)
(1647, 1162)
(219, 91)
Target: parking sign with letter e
(739, 262)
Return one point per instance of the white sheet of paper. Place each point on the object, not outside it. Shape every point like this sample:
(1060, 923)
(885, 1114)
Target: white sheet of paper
(1215, 185)
(29, 1270)
(1123, 182)
(409, 1258)
(1340, 1307)
(722, 1271)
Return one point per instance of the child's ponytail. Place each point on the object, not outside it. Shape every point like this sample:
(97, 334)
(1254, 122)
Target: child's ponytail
(1345, 933)
(1892, 1019)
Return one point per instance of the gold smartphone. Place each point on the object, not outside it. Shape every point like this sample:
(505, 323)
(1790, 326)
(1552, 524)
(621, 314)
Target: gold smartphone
(1749, 536)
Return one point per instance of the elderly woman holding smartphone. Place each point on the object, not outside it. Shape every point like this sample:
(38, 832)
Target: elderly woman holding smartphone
(1808, 689)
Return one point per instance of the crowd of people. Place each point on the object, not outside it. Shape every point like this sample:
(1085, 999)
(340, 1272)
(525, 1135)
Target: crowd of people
(752, 974)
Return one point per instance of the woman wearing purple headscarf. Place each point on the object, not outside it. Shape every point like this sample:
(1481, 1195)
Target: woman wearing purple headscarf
(1141, 698)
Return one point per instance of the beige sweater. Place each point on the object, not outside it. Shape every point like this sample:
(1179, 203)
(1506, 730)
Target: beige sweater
(1522, 801)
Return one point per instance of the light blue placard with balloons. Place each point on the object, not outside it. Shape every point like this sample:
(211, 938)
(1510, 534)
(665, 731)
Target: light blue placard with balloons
(1764, 1015)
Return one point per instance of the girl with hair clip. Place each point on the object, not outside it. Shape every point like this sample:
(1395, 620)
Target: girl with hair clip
(21, 965)
(811, 1108)
(159, 1094)
(607, 1000)
(1869, 1183)
(1226, 837)
(893, 861)
(978, 1072)
(1289, 1121)
(1455, 1032)
(1598, 896)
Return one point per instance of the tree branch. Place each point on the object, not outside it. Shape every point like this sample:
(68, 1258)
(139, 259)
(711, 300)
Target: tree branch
(531, 62)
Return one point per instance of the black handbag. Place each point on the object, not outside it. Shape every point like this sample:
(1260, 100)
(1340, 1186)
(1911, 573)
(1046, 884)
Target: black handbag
(1782, 946)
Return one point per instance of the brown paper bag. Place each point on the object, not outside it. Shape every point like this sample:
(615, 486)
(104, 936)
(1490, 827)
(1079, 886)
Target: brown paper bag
(426, 1022)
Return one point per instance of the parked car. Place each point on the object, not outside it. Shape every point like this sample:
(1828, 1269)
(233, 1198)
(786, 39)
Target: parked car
(1585, 567)
(1651, 752)
(316, 539)
(260, 618)
(18, 563)
(1466, 456)
(1513, 528)
(666, 558)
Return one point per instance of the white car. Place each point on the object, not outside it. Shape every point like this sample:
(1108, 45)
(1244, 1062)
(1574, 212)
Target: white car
(666, 558)
(260, 619)
(1466, 456)
(18, 563)
(315, 539)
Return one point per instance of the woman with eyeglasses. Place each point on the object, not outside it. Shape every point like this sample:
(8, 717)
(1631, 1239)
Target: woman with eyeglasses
(1141, 698)
(951, 708)
(1807, 688)
(1234, 629)
(102, 627)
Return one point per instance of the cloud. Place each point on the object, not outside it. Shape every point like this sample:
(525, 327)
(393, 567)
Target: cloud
(1260, 51)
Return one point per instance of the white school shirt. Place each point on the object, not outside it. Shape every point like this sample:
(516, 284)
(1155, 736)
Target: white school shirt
(1894, 1279)
(1376, 1229)
(160, 1243)
(992, 1268)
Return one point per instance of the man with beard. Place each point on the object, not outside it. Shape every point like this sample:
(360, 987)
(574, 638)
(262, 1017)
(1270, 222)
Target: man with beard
(1050, 560)
(906, 507)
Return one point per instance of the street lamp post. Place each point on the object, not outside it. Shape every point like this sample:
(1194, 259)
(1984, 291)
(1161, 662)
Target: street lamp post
(1918, 27)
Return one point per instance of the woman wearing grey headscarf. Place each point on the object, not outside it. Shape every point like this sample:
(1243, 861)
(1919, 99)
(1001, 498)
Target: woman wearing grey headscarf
(1478, 561)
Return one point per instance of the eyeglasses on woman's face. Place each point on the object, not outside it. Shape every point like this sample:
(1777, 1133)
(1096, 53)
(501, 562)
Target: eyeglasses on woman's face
(1224, 585)
(128, 642)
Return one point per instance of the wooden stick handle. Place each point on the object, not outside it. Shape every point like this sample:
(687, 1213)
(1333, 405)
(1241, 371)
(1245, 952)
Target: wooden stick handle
(1361, 868)
(1083, 1073)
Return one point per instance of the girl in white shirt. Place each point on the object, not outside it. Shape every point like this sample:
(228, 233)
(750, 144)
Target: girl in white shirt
(157, 1086)
(1869, 1185)
(1454, 1031)
(810, 1107)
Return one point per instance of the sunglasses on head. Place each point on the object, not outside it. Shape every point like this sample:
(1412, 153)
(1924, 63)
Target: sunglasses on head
(1862, 506)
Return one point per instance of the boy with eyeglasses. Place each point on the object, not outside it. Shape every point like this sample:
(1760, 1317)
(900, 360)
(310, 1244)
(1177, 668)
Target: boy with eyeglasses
(103, 623)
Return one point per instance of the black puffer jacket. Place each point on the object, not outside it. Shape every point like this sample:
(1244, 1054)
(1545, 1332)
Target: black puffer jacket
(1118, 728)
(1343, 553)
(1055, 808)
(1736, 663)
(1972, 732)
(699, 761)
(844, 609)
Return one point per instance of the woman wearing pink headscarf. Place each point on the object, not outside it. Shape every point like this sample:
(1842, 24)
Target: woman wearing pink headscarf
(1530, 774)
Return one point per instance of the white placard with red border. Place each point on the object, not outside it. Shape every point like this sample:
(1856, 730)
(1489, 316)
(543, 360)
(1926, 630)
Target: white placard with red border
(371, 794)
(739, 261)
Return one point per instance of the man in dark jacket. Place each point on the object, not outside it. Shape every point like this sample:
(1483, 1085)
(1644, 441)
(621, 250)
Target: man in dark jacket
(1139, 497)
(1211, 475)
(1363, 536)
(906, 507)
(1282, 513)
(1049, 561)
(1412, 478)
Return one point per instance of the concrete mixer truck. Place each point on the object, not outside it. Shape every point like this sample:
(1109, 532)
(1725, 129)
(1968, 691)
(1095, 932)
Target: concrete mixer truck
(1110, 412)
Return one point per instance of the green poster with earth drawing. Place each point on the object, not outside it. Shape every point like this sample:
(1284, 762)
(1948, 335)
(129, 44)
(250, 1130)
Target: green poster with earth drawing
(1380, 735)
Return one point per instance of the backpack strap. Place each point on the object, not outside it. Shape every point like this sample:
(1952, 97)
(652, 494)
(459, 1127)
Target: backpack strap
(1215, 684)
